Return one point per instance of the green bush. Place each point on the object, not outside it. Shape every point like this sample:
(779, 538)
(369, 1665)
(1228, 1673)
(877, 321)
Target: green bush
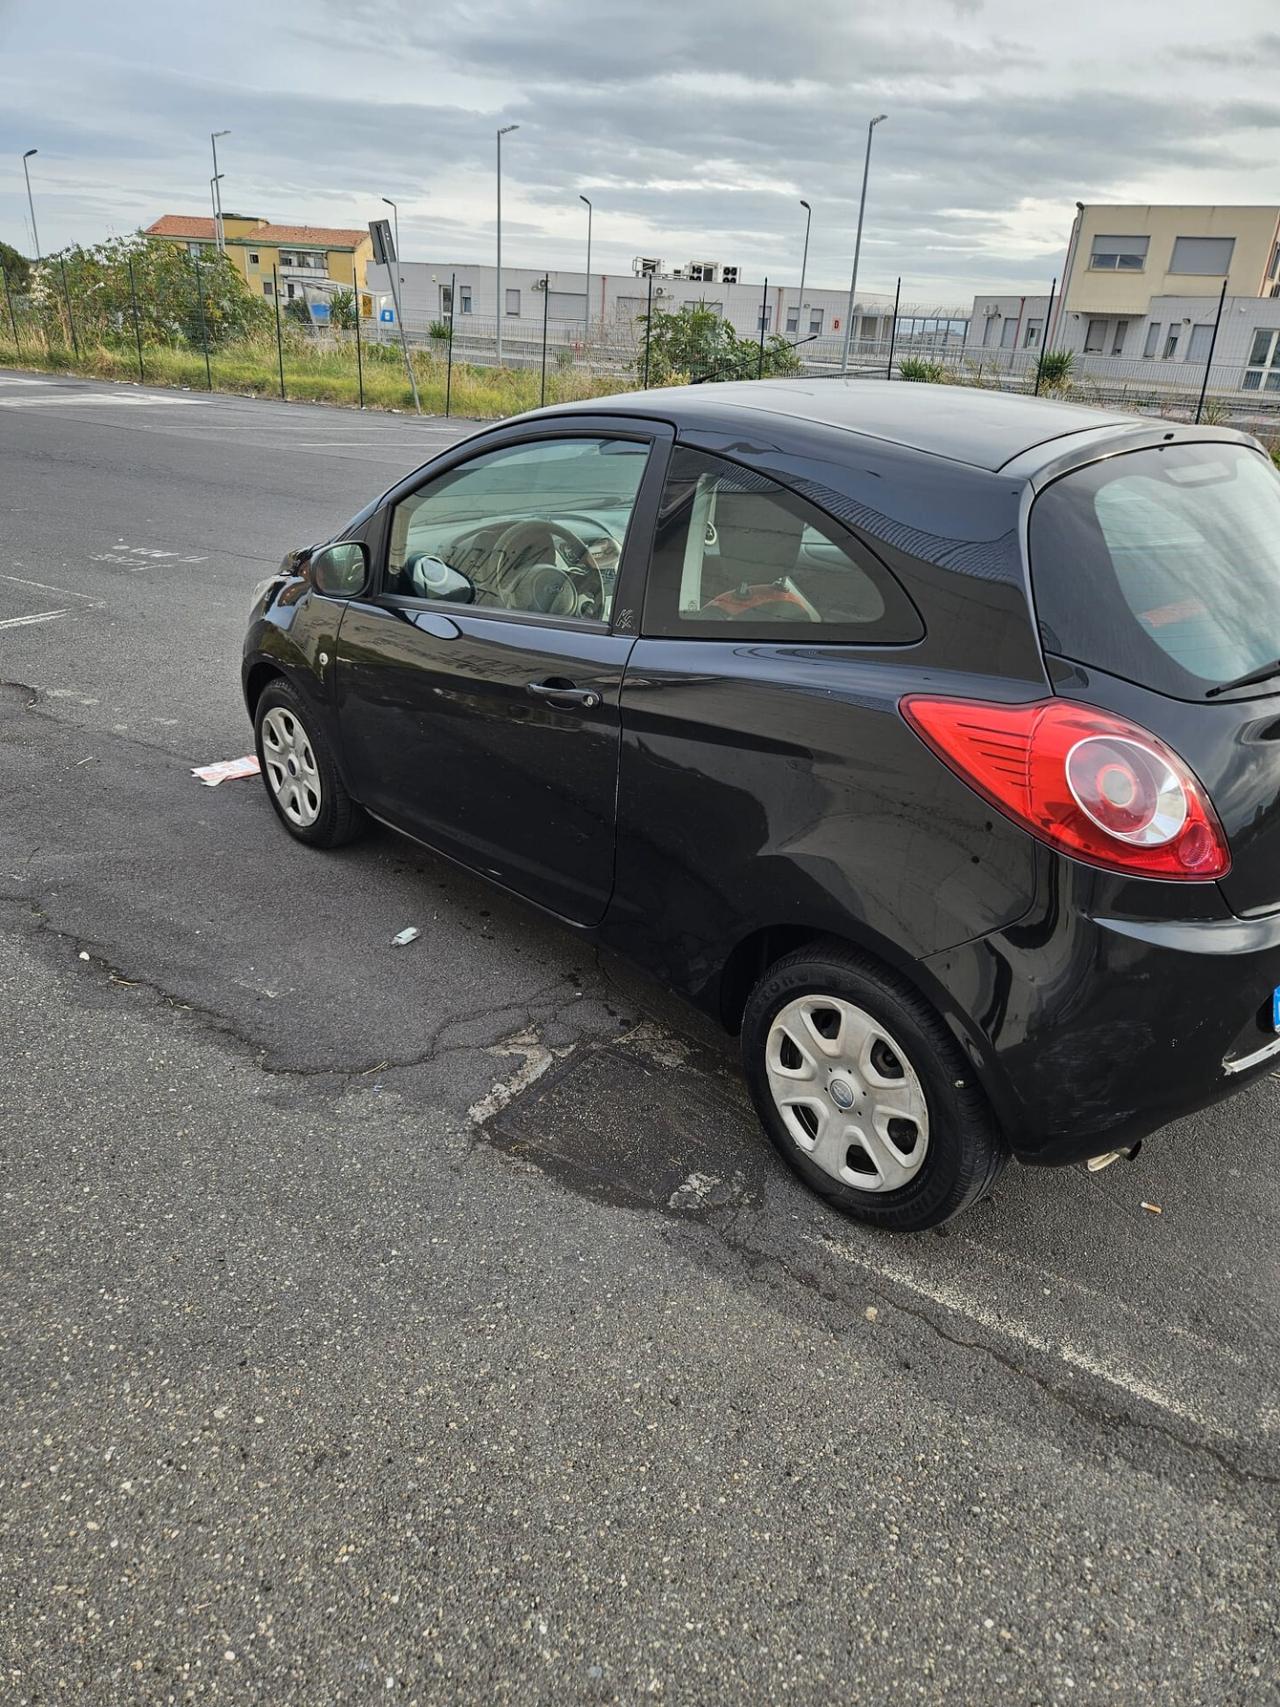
(1055, 369)
(696, 343)
(439, 331)
(918, 368)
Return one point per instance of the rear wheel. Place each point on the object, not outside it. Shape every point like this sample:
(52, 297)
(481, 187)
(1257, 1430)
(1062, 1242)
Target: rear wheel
(301, 779)
(864, 1093)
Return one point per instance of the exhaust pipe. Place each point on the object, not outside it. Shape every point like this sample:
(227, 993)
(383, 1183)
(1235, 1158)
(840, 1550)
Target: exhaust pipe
(1095, 1164)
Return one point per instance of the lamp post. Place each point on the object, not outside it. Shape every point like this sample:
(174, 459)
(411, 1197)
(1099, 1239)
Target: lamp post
(395, 215)
(857, 247)
(501, 304)
(804, 259)
(586, 324)
(35, 235)
(218, 232)
(213, 199)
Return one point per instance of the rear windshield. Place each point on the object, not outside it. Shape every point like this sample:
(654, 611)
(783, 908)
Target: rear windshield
(1162, 566)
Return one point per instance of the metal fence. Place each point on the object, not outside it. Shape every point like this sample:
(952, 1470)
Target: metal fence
(454, 361)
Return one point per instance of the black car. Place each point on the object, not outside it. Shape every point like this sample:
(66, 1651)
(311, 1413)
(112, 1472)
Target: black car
(927, 737)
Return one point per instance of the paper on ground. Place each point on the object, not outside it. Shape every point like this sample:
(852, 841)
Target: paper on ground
(227, 770)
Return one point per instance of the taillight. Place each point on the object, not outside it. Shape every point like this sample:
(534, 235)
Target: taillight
(1086, 782)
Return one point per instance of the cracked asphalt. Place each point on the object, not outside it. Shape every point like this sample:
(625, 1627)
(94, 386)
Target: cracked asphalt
(432, 1325)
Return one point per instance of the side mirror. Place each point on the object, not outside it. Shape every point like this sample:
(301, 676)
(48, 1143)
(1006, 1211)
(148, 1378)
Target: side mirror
(340, 571)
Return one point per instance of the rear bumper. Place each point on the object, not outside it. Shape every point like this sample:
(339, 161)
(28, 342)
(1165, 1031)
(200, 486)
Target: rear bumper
(1091, 1028)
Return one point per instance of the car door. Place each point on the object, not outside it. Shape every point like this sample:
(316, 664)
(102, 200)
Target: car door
(477, 687)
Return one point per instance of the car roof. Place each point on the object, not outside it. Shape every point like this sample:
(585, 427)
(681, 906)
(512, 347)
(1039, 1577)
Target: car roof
(986, 429)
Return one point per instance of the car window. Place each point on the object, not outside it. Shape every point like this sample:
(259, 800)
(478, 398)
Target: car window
(733, 547)
(536, 527)
(1162, 565)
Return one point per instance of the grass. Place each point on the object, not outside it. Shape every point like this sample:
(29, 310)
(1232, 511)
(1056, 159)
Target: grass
(317, 375)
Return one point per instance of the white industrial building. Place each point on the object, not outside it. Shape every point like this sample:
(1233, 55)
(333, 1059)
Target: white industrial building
(614, 300)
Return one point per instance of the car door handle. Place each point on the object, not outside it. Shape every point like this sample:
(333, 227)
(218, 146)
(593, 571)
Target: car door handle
(564, 694)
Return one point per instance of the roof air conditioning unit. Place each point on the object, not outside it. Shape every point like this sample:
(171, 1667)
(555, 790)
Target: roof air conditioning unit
(728, 275)
(703, 271)
(645, 267)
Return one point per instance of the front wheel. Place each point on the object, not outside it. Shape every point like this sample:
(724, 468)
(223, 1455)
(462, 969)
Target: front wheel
(301, 778)
(864, 1093)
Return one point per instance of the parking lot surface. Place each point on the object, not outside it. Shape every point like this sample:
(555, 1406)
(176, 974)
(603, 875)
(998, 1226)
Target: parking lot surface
(432, 1324)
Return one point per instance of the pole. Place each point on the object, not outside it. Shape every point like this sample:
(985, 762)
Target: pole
(893, 330)
(13, 319)
(546, 304)
(137, 329)
(204, 330)
(1044, 340)
(857, 247)
(586, 319)
(1212, 342)
(393, 272)
(71, 319)
(448, 372)
(764, 311)
(504, 130)
(355, 292)
(35, 235)
(275, 296)
(804, 261)
(219, 231)
(648, 333)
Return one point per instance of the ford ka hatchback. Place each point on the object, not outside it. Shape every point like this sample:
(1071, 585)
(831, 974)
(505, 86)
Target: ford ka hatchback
(928, 738)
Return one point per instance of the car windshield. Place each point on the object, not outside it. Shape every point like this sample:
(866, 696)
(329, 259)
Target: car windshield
(1162, 566)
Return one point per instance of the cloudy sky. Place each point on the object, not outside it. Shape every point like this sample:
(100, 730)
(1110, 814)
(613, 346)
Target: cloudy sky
(694, 125)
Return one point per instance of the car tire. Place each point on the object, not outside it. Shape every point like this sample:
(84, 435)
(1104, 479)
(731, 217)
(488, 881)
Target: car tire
(864, 1092)
(298, 771)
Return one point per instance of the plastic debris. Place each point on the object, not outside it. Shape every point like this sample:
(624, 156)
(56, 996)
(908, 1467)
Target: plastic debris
(409, 934)
(83, 955)
(1153, 1209)
(871, 1312)
(227, 770)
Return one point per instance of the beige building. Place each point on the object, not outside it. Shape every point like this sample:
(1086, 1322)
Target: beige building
(1121, 258)
(292, 257)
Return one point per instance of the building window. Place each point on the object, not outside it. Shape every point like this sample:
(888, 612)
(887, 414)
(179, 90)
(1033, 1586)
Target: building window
(1211, 255)
(793, 320)
(1009, 333)
(988, 328)
(1095, 337)
(1171, 342)
(815, 322)
(1031, 337)
(464, 295)
(1119, 254)
(764, 319)
(1264, 361)
(1152, 344)
(290, 290)
(513, 302)
(446, 299)
(253, 259)
(1118, 337)
(267, 288)
(1199, 342)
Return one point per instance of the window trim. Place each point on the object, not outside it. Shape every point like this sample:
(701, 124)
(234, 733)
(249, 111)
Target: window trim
(624, 614)
(822, 634)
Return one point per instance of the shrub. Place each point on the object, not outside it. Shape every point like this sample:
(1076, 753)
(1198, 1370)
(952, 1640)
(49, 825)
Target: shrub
(699, 343)
(916, 367)
(1055, 368)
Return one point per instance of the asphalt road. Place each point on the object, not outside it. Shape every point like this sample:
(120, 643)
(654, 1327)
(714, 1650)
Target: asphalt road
(432, 1324)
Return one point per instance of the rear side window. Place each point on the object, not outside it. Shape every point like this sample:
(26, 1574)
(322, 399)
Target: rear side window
(1162, 565)
(737, 556)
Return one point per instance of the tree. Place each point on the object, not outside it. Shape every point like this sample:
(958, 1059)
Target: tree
(696, 343)
(16, 269)
(342, 310)
(181, 297)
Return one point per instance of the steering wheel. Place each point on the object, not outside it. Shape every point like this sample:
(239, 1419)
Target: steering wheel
(545, 585)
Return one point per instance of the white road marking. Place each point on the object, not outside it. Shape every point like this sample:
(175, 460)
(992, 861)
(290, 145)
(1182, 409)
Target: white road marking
(21, 621)
(54, 399)
(63, 592)
(995, 1322)
(138, 557)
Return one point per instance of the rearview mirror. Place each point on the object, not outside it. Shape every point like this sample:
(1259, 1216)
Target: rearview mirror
(340, 571)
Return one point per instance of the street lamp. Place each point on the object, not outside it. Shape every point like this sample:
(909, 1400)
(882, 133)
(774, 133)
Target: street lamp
(857, 247)
(804, 261)
(395, 214)
(218, 231)
(501, 304)
(213, 198)
(35, 235)
(586, 329)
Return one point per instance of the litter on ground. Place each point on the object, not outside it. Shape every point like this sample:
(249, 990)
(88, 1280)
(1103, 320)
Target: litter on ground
(410, 933)
(227, 770)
